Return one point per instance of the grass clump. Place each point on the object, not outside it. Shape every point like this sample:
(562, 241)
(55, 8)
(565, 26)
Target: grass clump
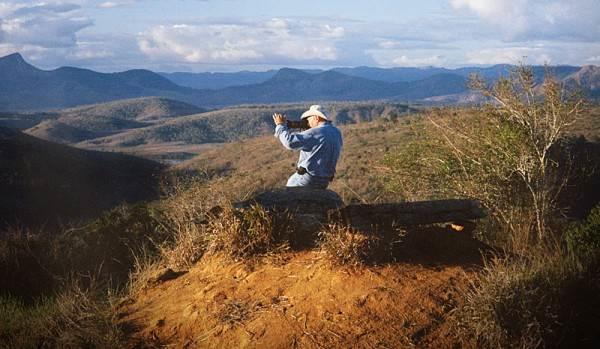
(513, 156)
(347, 246)
(76, 317)
(536, 302)
(248, 232)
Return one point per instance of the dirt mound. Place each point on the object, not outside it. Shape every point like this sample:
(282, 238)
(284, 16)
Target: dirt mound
(300, 299)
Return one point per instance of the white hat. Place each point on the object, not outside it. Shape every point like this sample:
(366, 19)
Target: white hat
(314, 110)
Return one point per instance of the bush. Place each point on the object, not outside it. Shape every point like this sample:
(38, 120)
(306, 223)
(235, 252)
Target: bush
(34, 262)
(583, 238)
(500, 154)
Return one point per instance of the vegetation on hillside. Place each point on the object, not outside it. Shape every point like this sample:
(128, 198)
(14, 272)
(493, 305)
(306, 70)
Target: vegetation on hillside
(513, 156)
(539, 288)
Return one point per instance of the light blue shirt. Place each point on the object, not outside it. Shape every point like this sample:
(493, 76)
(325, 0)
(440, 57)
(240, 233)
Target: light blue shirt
(320, 147)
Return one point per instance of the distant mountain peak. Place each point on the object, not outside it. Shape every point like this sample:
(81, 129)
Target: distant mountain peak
(285, 74)
(16, 60)
(14, 65)
(13, 57)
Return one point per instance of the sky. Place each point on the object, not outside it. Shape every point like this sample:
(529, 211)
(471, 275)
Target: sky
(233, 35)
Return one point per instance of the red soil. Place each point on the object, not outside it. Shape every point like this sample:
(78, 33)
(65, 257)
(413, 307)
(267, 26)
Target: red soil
(299, 299)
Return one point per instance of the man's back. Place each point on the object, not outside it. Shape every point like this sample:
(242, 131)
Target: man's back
(322, 158)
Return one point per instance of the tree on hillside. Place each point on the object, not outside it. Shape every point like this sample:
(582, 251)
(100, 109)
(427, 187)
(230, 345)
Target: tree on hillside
(500, 154)
(541, 114)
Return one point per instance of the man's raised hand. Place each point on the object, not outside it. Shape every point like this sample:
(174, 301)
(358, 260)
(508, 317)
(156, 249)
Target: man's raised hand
(278, 119)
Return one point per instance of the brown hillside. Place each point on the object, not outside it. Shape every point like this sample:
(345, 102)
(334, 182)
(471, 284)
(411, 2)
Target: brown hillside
(73, 125)
(262, 162)
(187, 133)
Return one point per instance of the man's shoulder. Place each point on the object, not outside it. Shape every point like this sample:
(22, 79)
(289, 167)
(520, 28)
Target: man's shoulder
(332, 128)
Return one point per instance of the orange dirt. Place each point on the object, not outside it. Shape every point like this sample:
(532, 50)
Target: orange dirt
(299, 299)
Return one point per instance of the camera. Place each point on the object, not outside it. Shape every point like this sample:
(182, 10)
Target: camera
(298, 124)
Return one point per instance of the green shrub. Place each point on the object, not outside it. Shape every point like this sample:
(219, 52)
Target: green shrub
(33, 262)
(583, 238)
(500, 154)
(21, 324)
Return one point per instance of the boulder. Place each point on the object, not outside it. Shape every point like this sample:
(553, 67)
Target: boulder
(298, 200)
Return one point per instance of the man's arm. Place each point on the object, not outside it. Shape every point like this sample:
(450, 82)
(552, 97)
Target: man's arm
(292, 141)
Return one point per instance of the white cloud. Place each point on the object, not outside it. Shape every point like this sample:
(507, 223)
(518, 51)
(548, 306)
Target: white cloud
(108, 4)
(45, 25)
(405, 61)
(258, 41)
(511, 55)
(507, 14)
(391, 54)
(113, 4)
(524, 20)
(593, 60)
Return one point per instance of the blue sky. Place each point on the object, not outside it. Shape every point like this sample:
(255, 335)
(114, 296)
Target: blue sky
(231, 35)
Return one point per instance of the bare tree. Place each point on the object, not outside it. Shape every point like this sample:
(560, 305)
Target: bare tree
(541, 113)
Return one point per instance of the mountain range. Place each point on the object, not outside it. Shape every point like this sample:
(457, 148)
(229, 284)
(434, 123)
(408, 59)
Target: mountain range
(24, 87)
(216, 81)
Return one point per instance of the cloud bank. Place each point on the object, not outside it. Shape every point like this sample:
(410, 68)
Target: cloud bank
(462, 32)
(275, 40)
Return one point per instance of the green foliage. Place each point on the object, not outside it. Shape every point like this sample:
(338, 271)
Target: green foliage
(499, 154)
(460, 155)
(19, 321)
(532, 302)
(583, 238)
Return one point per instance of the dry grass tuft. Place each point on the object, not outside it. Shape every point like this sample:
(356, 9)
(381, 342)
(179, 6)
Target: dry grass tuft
(253, 231)
(348, 246)
(145, 266)
(84, 317)
(77, 317)
(187, 248)
(530, 302)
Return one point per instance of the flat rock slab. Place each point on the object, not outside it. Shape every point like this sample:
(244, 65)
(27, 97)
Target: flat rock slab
(409, 213)
(314, 207)
(301, 200)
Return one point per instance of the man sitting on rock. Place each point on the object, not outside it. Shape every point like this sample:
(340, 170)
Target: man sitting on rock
(319, 146)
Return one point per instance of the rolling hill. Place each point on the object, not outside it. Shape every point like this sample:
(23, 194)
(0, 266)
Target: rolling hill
(292, 85)
(44, 183)
(231, 124)
(24, 87)
(98, 120)
(215, 81)
(588, 79)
